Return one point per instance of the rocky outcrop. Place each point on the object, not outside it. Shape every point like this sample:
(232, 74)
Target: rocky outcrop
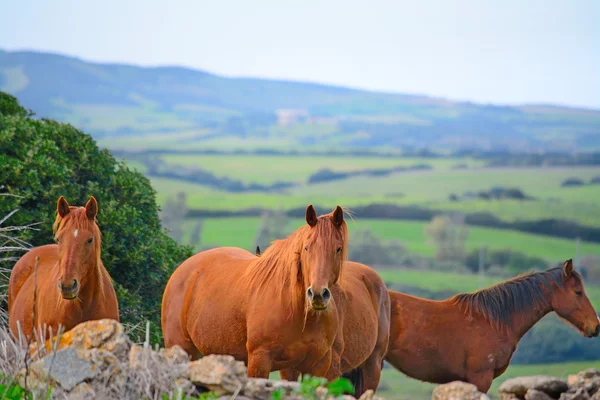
(582, 386)
(458, 391)
(96, 359)
(518, 387)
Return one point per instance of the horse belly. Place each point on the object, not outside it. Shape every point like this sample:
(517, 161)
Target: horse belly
(217, 327)
(360, 334)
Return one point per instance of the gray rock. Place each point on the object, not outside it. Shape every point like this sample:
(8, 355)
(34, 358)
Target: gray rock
(580, 394)
(369, 395)
(83, 391)
(534, 394)
(547, 384)
(258, 388)
(590, 384)
(64, 368)
(218, 373)
(458, 390)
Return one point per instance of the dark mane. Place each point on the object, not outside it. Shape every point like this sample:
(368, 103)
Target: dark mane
(499, 303)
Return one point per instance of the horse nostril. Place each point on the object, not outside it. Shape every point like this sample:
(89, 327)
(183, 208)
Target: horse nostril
(310, 293)
(326, 294)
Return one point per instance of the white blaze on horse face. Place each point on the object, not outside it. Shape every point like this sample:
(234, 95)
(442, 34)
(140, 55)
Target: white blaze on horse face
(76, 233)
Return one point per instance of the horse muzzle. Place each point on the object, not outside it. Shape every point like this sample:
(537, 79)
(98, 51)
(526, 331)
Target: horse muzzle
(318, 302)
(69, 292)
(593, 332)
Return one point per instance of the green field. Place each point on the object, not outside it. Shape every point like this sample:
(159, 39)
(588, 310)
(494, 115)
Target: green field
(240, 232)
(269, 169)
(421, 188)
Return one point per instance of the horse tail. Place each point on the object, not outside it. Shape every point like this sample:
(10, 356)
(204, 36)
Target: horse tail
(356, 378)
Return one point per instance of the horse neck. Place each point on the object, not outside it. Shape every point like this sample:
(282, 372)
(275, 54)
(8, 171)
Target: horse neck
(522, 323)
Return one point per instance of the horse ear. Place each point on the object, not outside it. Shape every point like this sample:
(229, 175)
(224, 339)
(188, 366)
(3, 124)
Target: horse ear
(568, 268)
(338, 216)
(311, 215)
(62, 207)
(91, 208)
(257, 251)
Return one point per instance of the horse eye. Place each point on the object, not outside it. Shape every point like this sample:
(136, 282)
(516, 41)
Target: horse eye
(339, 250)
(306, 249)
(578, 292)
(90, 240)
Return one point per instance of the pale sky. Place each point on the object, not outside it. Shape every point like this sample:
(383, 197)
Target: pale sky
(505, 52)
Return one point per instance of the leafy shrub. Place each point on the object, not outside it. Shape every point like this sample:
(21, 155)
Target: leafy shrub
(43, 159)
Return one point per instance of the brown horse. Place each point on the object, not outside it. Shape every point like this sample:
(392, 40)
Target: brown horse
(273, 312)
(72, 285)
(366, 329)
(472, 337)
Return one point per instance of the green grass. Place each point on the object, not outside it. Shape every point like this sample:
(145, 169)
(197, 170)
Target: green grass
(240, 232)
(396, 386)
(269, 169)
(423, 188)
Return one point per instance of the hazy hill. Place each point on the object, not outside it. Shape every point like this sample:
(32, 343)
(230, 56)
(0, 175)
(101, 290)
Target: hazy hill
(208, 110)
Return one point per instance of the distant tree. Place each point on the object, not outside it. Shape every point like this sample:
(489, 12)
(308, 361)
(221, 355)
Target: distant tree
(173, 215)
(369, 249)
(273, 226)
(42, 159)
(196, 235)
(572, 182)
(449, 236)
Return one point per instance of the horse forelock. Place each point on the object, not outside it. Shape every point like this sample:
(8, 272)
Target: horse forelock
(499, 303)
(279, 265)
(75, 221)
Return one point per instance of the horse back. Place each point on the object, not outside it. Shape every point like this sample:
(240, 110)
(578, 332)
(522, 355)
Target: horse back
(25, 266)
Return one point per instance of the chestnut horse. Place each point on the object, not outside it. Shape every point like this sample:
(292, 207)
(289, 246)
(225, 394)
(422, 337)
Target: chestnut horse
(366, 329)
(273, 312)
(72, 285)
(472, 337)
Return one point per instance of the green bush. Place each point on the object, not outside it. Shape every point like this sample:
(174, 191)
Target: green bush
(43, 159)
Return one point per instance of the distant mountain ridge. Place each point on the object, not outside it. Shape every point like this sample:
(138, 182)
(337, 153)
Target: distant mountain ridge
(109, 99)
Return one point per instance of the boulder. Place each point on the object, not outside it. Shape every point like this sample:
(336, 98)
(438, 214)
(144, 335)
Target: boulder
(64, 368)
(83, 391)
(534, 394)
(579, 394)
(259, 388)
(458, 390)
(547, 384)
(105, 334)
(218, 373)
(589, 380)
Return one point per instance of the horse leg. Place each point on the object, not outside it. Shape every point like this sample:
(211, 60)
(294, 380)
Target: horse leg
(289, 375)
(259, 364)
(322, 367)
(481, 379)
